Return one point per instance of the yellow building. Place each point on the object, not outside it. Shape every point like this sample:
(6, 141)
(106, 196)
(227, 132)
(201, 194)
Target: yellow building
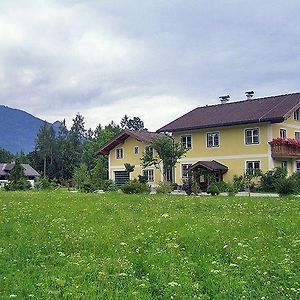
(226, 138)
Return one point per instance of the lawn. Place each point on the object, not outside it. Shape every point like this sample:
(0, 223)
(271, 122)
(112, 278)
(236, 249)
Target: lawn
(63, 245)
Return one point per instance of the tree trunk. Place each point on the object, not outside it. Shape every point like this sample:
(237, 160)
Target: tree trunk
(45, 162)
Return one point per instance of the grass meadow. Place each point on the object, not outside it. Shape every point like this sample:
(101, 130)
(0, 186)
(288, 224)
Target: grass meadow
(63, 245)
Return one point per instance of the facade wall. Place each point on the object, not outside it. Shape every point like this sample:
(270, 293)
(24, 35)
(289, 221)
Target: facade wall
(130, 157)
(232, 151)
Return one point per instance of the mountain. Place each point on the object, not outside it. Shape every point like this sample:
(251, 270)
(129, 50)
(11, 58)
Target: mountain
(19, 129)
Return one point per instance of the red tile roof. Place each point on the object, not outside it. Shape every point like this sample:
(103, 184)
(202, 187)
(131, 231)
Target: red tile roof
(143, 136)
(270, 109)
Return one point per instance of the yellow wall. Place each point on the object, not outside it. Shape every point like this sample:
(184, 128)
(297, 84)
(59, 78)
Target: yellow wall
(232, 150)
(129, 157)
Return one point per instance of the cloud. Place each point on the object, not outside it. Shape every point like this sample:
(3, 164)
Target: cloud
(153, 59)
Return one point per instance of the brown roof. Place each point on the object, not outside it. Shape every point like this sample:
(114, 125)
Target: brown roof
(270, 109)
(143, 136)
(210, 165)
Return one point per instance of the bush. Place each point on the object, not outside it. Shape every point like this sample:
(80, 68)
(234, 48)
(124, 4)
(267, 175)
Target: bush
(213, 189)
(296, 177)
(174, 186)
(187, 186)
(269, 180)
(195, 187)
(143, 179)
(232, 188)
(21, 185)
(239, 183)
(135, 187)
(222, 186)
(286, 186)
(42, 183)
(164, 188)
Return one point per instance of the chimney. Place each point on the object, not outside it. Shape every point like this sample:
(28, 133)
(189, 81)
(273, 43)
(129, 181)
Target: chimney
(224, 99)
(249, 95)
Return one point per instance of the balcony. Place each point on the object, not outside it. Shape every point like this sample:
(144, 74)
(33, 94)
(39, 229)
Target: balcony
(285, 148)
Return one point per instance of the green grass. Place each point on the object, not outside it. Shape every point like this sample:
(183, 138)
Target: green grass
(62, 245)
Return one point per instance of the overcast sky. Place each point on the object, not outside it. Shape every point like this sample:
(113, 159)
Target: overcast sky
(147, 58)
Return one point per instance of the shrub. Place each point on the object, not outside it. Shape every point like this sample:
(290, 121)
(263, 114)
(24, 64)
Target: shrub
(213, 189)
(187, 186)
(21, 185)
(269, 179)
(222, 186)
(87, 187)
(135, 187)
(286, 186)
(296, 177)
(195, 187)
(142, 179)
(239, 183)
(174, 186)
(232, 188)
(164, 188)
(42, 183)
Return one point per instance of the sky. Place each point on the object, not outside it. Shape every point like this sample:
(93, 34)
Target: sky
(153, 59)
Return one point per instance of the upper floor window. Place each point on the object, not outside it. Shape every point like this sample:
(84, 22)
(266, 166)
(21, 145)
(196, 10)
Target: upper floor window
(185, 171)
(149, 174)
(136, 150)
(212, 139)
(119, 153)
(186, 141)
(282, 133)
(297, 135)
(297, 114)
(251, 136)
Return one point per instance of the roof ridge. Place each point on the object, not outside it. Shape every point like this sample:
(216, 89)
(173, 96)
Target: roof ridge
(246, 100)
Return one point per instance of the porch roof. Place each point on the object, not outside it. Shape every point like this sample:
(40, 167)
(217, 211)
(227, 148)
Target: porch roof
(211, 165)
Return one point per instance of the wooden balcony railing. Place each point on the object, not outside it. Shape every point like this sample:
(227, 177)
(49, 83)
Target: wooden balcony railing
(285, 151)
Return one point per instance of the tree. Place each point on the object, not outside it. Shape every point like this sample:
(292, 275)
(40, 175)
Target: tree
(45, 143)
(5, 156)
(132, 124)
(249, 177)
(168, 153)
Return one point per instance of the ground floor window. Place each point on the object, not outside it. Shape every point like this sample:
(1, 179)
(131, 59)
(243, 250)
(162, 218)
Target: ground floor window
(284, 164)
(252, 166)
(149, 175)
(169, 175)
(297, 166)
(185, 173)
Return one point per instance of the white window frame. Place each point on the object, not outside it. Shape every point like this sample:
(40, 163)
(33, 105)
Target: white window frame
(213, 141)
(184, 142)
(283, 133)
(253, 162)
(134, 150)
(182, 173)
(296, 163)
(297, 133)
(252, 136)
(297, 114)
(117, 153)
(146, 174)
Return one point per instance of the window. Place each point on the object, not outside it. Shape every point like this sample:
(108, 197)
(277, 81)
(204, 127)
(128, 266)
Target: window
(252, 166)
(149, 174)
(119, 153)
(185, 171)
(251, 136)
(169, 174)
(297, 114)
(136, 150)
(297, 135)
(186, 141)
(282, 133)
(284, 164)
(212, 139)
(297, 166)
